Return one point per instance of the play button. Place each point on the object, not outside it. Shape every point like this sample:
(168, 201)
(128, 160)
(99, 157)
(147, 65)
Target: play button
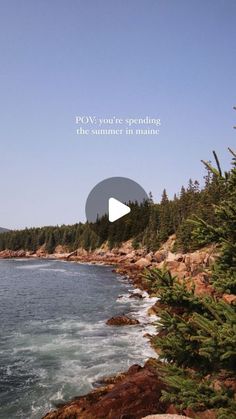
(117, 210)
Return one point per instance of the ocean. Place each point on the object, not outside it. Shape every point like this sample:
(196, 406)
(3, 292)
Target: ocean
(54, 341)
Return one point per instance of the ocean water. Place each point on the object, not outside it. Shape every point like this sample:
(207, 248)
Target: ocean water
(54, 342)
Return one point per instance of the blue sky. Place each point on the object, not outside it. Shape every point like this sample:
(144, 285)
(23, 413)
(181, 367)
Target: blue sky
(165, 58)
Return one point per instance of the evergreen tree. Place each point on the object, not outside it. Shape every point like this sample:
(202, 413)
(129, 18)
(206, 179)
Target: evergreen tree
(166, 225)
(50, 243)
(197, 335)
(223, 232)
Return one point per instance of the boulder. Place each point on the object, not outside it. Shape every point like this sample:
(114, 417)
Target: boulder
(140, 252)
(160, 265)
(229, 298)
(108, 255)
(136, 295)
(20, 253)
(61, 249)
(7, 254)
(143, 263)
(199, 260)
(82, 252)
(209, 260)
(160, 255)
(130, 256)
(170, 257)
(169, 244)
(29, 253)
(41, 251)
(202, 286)
(187, 261)
(121, 321)
(172, 410)
(177, 268)
(179, 257)
(149, 256)
(134, 395)
(151, 311)
(125, 248)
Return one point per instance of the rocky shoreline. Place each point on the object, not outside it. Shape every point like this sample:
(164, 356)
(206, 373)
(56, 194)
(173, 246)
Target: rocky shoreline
(131, 263)
(136, 393)
(133, 394)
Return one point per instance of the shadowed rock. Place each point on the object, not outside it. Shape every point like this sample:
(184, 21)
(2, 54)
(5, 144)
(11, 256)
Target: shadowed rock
(121, 321)
(135, 395)
(136, 295)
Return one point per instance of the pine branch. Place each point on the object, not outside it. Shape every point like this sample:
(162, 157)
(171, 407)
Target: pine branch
(217, 163)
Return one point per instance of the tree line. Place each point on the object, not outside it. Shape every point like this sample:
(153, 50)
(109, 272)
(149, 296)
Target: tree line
(155, 221)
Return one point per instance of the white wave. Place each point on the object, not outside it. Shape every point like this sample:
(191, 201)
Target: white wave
(32, 266)
(66, 356)
(9, 371)
(54, 270)
(139, 291)
(125, 298)
(57, 396)
(35, 409)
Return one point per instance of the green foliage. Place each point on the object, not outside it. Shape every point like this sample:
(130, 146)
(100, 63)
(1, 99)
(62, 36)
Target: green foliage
(189, 390)
(203, 339)
(156, 221)
(166, 222)
(81, 235)
(31, 239)
(223, 232)
(170, 291)
(50, 243)
(197, 335)
(202, 334)
(201, 206)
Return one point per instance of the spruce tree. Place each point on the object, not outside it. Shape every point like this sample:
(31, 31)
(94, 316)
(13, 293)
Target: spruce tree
(166, 226)
(197, 335)
(223, 232)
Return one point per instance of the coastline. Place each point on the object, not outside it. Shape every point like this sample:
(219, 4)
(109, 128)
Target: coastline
(136, 294)
(123, 394)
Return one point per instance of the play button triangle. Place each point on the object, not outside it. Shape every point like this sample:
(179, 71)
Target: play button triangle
(117, 209)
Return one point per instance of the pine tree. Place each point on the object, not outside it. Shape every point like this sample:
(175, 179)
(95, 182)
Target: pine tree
(223, 232)
(50, 244)
(197, 335)
(166, 226)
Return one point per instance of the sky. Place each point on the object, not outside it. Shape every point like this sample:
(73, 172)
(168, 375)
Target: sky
(173, 60)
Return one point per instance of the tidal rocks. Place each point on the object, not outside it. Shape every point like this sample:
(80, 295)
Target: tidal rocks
(121, 321)
(135, 395)
(152, 311)
(136, 295)
(7, 254)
